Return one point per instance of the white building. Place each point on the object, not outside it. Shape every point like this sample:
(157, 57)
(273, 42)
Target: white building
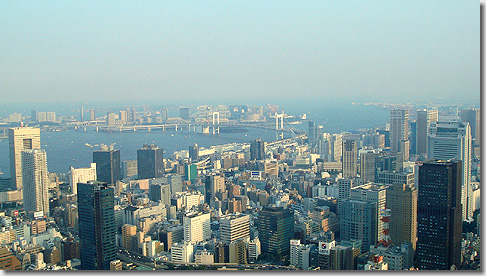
(35, 181)
(20, 139)
(197, 227)
(398, 128)
(234, 227)
(449, 140)
(81, 175)
(182, 252)
(254, 249)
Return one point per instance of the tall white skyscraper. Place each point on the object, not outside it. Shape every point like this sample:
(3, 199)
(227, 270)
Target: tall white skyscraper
(424, 119)
(398, 128)
(452, 140)
(197, 227)
(35, 181)
(20, 139)
(81, 175)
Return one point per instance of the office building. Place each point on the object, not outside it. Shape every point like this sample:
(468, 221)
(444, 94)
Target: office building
(20, 139)
(237, 252)
(473, 117)
(350, 159)
(275, 228)
(129, 168)
(439, 230)
(401, 199)
(449, 140)
(424, 118)
(257, 150)
(330, 147)
(81, 175)
(128, 231)
(92, 115)
(367, 166)
(344, 189)
(33, 115)
(150, 162)
(359, 221)
(197, 227)
(160, 193)
(97, 230)
(254, 249)
(190, 172)
(194, 152)
(398, 128)
(35, 182)
(234, 227)
(184, 113)
(182, 252)
(108, 164)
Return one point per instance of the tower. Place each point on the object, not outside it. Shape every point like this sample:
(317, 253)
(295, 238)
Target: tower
(398, 128)
(194, 152)
(97, 230)
(276, 228)
(350, 159)
(35, 181)
(257, 150)
(108, 164)
(150, 162)
(439, 215)
(424, 119)
(20, 139)
(452, 140)
(473, 117)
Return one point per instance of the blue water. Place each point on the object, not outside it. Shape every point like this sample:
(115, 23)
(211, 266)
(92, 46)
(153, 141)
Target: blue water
(68, 148)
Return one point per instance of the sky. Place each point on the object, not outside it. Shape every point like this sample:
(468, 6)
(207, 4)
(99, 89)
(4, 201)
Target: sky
(231, 51)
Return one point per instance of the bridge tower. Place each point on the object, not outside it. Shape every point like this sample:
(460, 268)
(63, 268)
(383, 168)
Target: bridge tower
(279, 125)
(215, 123)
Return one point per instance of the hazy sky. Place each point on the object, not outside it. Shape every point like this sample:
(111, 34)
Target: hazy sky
(192, 50)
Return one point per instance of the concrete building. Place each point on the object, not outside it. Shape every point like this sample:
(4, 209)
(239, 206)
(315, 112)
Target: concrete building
(129, 168)
(128, 231)
(449, 140)
(398, 128)
(350, 159)
(182, 252)
(473, 117)
(35, 182)
(367, 165)
(197, 227)
(254, 249)
(150, 162)
(20, 139)
(160, 193)
(81, 175)
(424, 118)
(234, 227)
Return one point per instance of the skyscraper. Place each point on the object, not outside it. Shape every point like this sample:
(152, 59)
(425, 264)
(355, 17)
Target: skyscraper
(20, 139)
(81, 114)
(35, 181)
(449, 140)
(439, 229)
(473, 117)
(367, 166)
(194, 152)
(350, 159)
(190, 172)
(108, 164)
(97, 228)
(398, 128)
(92, 115)
(150, 162)
(184, 113)
(81, 175)
(257, 150)
(424, 119)
(275, 228)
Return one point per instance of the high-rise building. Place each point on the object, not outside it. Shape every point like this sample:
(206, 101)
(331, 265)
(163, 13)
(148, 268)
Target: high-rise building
(234, 227)
(107, 162)
(92, 115)
(81, 175)
(473, 117)
(350, 159)
(97, 230)
(197, 227)
(20, 139)
(401, 199)
(33, 115)
(110, 119)
(217, 184)
(81, 114)
(257, 150)
(129, 168)
(344, 189)
(160, 192)
(190, 172)
(150, 162)
(398, 128)
(424, 118)
(367, 166)
(439, 229)
(128, 231)
(449, 140)
(194, 152)
(314, 133)
(164, 114)
(359, 220)
(275, 228)
(184, 113)
(35, 181)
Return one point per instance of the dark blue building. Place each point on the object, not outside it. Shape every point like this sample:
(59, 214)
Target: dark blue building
(97, 232)
(150, 162)
(108, 165)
